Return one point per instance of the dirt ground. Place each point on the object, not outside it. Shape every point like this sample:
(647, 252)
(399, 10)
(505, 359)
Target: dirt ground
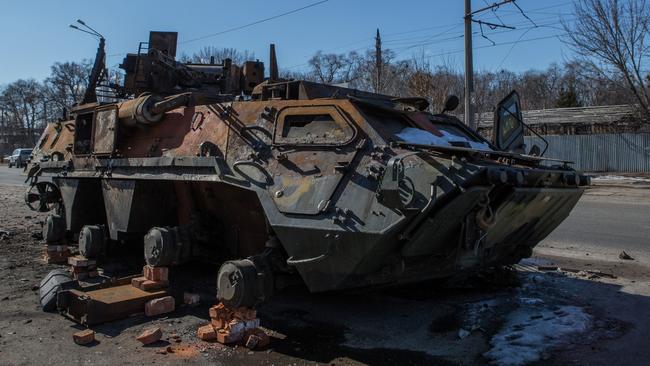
(593, 318)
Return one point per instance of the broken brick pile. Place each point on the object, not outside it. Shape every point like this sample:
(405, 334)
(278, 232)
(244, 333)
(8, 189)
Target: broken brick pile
(229, 326)
(82, 268)
(56, 253)
(153, 278)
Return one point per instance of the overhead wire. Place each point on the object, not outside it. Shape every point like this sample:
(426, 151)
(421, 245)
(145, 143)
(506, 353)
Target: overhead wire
(233, 29)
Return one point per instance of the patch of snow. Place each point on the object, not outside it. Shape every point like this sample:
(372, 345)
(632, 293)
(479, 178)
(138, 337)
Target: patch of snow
(530, 301)
(620, 178)
(422, 137)
(530, 331)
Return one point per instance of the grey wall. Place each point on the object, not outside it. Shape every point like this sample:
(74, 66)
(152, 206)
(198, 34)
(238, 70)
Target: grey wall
(622, 152)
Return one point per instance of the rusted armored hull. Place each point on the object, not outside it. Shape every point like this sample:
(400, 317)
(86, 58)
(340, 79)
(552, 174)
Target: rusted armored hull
(333, 218)
(284, 179)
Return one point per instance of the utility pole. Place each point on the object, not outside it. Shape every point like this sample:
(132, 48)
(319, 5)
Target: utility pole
(379, 62)
(469, 59)
(469, 67)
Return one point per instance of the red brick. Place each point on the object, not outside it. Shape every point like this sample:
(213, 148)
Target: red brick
(137, 281)
(84, 337)
(57, 256)
(207, 333)
(226, 337)
(159, 306)
(158, 274)
(150, 336)
(149, 285)
(81, 261)
(220, 311)
(218, 323)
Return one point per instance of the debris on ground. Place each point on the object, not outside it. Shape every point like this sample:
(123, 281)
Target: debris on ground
(84, 337)
(207, 333)
(4, 234)
(149, 336)
(625, 256)
(597, 274)
(229, 326)
(159, 306)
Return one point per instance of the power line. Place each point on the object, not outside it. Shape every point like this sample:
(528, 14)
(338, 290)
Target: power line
(498, 44)
(437, 41)
(244, 26)
(255, 22)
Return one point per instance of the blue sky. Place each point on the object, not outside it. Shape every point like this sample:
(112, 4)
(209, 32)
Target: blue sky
(35, 34)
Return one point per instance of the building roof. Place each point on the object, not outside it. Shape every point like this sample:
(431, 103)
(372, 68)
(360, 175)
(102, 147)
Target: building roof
(581, 115)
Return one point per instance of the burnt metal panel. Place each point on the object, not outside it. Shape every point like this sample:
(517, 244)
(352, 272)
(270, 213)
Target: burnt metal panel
(134, 206)
(164, 41)
(105, 130)
(82, 201)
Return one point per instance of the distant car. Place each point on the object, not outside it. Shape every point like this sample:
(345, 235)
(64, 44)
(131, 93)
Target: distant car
(19, 158)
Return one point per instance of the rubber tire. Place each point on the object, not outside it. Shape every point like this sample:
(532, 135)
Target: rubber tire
(51, 284)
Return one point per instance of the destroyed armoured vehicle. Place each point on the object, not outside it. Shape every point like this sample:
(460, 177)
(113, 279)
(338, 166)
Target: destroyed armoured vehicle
(277, 179)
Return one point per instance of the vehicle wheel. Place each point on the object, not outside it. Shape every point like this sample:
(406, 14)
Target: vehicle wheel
(51, 284)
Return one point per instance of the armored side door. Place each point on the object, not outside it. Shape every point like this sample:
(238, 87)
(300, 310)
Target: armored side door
(315, 148)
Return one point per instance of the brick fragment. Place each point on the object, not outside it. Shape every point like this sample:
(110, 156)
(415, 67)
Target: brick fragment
(150, 336)
(236, 326)
(158, 274)
(137, 281)
(84, 337)
(191, 299)
(81, 261)
(159, 306)
(220, 311)
(207, 333)
(218, 323)
(227, 337)
(263, 339)
(149, 285)
(252, 341)
(57, 255)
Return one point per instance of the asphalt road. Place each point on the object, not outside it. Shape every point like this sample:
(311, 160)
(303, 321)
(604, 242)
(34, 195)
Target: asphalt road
(605, 222)
(11, 176)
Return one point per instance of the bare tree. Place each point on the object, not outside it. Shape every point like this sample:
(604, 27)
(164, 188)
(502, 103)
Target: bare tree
(609, 36)
(334, 68)
(24, 107)
(66, 85)
(205, 54)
